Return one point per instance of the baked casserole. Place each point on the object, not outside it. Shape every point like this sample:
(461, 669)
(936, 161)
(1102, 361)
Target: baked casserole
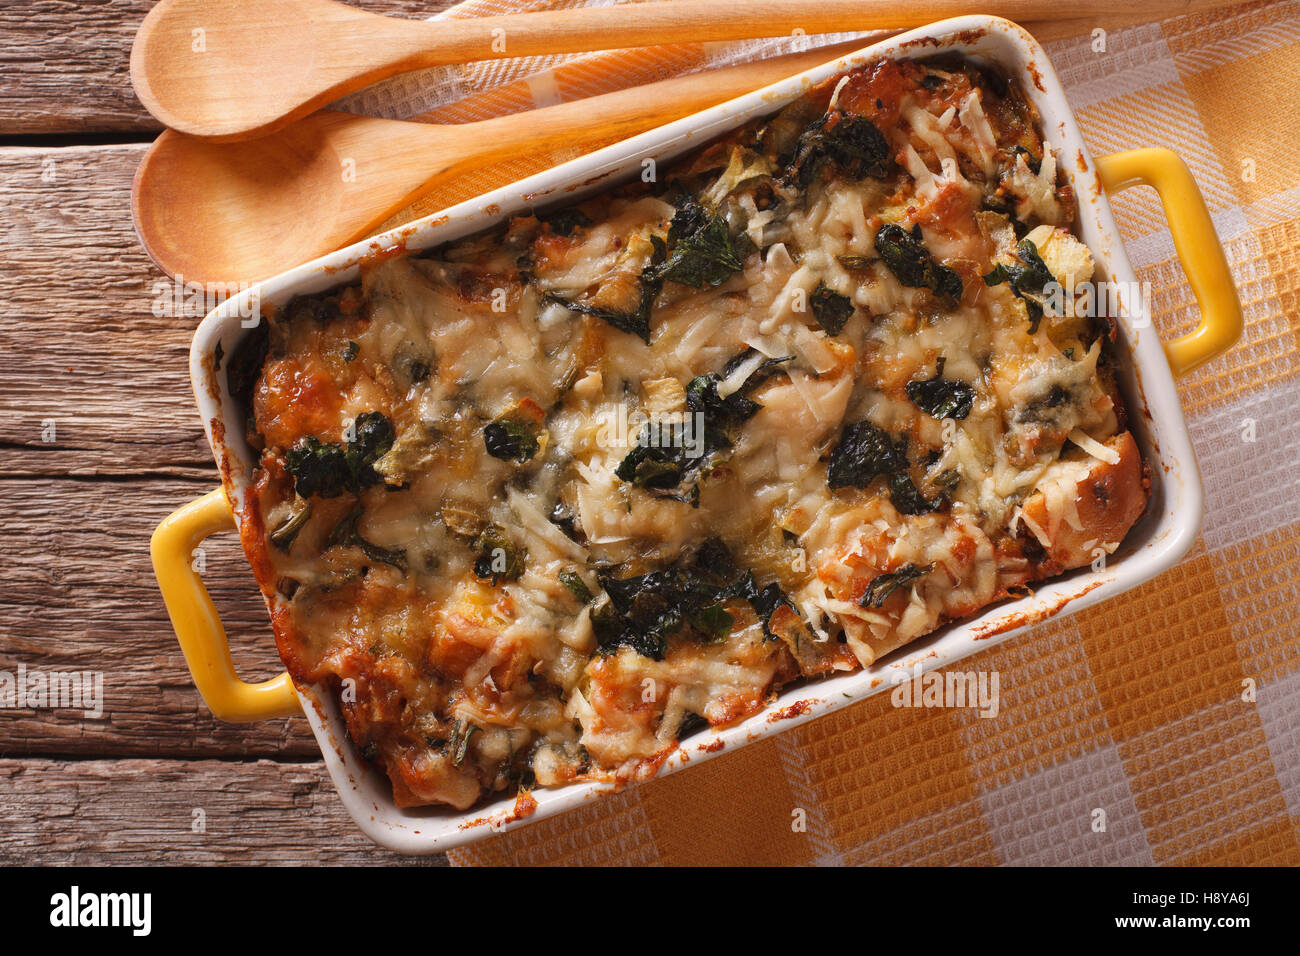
(539, 503)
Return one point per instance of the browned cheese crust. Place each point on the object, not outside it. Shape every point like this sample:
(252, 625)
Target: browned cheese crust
(539, 503)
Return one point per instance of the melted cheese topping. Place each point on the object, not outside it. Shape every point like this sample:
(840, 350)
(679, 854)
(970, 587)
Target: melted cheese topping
(541, 500)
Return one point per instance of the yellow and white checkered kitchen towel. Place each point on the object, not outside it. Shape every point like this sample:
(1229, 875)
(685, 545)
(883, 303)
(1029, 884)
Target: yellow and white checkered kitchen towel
(1136, 706)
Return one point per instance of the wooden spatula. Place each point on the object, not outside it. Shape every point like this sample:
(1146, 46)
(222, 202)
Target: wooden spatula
(235, 212)
(232, 69)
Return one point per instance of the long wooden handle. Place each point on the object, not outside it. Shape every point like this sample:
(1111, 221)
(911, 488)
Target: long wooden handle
(674, 21)
(633, 110)
(625, 112)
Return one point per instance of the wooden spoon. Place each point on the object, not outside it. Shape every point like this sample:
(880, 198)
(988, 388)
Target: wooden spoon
(239, 212)
(233, 69)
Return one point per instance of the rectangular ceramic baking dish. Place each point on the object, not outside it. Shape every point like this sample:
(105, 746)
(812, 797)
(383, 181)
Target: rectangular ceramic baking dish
(1148, 367)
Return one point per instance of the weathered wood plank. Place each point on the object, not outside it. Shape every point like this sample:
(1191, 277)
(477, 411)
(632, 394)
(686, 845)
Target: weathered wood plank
(81, 348)
(124, 812)
(64, 64)
(80, 594)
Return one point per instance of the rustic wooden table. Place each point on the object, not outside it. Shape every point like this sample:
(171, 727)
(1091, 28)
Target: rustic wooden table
(99, 440)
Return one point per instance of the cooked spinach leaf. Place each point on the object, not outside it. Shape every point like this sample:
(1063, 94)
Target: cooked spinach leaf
(577, 587)
(857, 145)
(940, 397)
(912, 264)
(321, 309)
(1039, 409)
(669, 453)
(635, 320)
(1028, 280)
(346, 535)
(702, 397)
(765, 370)
(863, 454)
(510, 441)
(713, 564)
(947, 481)
(830, 309)
(663, 456)
(563, 518)
(713, 623)
(652, 467)
(372, 437)
(283, 536)
(643, 611)
(458, 746)
(612, 632)
(884, 585)
(853, 143)
(701, 251)
(906, 497)
(637, 323)
(564, 221)
(1035, 163)
(498, 559)
(327, 469)
(319, 468)
(691, 722)
(765, 601)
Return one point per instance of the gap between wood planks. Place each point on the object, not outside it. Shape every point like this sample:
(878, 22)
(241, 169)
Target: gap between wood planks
(65, 64)
(82, 351)
(127, 812)
(79, 346)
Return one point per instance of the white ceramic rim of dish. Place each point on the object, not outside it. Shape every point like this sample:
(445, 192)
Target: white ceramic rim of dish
(1160, 539)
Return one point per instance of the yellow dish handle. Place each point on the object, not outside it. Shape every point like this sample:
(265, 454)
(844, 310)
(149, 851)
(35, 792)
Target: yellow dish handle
(1198, 248)
(195, 619)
